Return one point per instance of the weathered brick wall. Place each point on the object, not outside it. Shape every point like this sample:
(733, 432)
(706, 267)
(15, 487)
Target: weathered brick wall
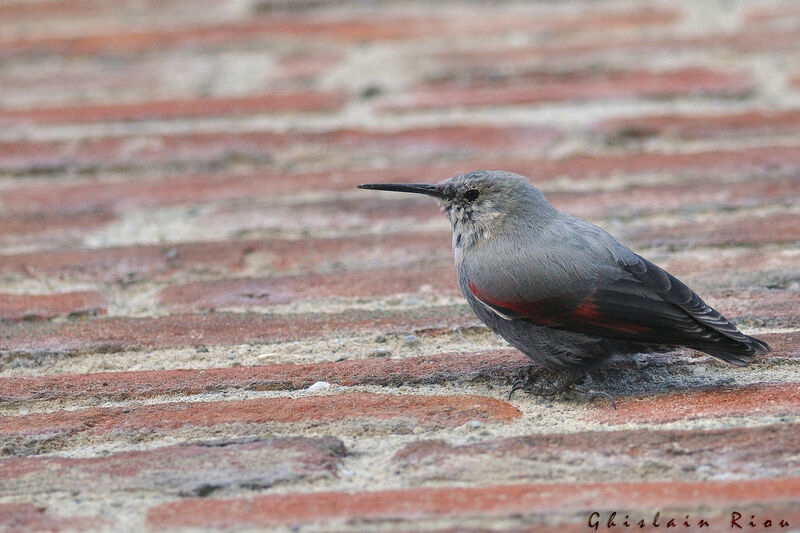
(184, 255)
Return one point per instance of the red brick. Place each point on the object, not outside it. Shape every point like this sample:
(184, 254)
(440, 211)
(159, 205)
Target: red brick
(762, 451)
(26, 517)
(142, 150)
(184, 189)
(740, 229)
(762, 306)
(405, 210)
(42, 224)
(132, 263)
(576, 87)
(784, 345)
(783, 14)
(759, 400)
(42, 306)
(428, 411)
(373, 371)
(349, 215)
(703, 126)
(129, 263)
(734, 162)
(355, 213)
(158, 262)
(483, 60)
(492, 500)
(215, 187)
(117, 333)
(742, 267)
(143, 192)
(140, 78)
(777, 307)
(194, 469)
(15, 10)
(170, 109)
(284, 289)
(640, 199)
(738, 162)
(28, 17)
(348, 30)
(263, 145)
(439, 278)
(306, 66)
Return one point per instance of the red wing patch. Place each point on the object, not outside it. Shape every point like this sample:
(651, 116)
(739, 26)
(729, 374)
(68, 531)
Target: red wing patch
(588, 313)
(545, 312)
(554, 312)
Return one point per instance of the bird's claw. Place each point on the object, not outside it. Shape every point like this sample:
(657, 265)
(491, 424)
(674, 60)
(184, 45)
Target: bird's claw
(517, 385)
(539, 382)
(536, 381)
(593, 394)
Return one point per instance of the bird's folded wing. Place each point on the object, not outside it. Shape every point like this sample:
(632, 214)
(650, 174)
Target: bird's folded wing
(643, 304)
(674, 291)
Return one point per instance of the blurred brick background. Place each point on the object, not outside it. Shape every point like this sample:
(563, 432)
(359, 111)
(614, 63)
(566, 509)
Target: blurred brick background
(184, 254)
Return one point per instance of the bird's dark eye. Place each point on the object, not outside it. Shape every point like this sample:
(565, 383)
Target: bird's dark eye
(471, 195)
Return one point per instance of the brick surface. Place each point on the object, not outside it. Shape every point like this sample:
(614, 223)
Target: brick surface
(640, 199)
(199, 188)
(577, 87)
(702, 162)
(41, 306)
(495, 500)
(741, 266)
(135, 263)
(352, 30)
(54, 223)
(732, 162)
(411, 410)
(185, 470)
(18, 517)
(782, 13)
(143, 384)
(114, 334)
(178, 207)
(636, 200)
(703, 126)
(177, 109)
(553, 53)
(264, 291)
(777, 227)
(127, 264)
(774, 398)
(381, 371)
(213, 149)
(609, 455)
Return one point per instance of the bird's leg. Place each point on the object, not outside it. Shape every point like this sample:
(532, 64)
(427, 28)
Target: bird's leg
(591, 394)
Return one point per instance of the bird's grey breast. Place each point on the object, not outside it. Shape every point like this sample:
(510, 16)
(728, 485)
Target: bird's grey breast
(565, 260)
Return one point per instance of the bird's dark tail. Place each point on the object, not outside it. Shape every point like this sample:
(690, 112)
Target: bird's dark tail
(739, 353)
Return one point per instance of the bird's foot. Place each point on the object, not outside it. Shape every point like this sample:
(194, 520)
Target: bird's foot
(542, 382)
(590, 393)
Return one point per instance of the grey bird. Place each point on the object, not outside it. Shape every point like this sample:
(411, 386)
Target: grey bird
(564, 291)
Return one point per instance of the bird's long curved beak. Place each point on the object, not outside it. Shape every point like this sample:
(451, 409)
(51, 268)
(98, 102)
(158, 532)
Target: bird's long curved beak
(418, 188)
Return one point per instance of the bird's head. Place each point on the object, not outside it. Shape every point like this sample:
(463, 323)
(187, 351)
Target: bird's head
(482, 203)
